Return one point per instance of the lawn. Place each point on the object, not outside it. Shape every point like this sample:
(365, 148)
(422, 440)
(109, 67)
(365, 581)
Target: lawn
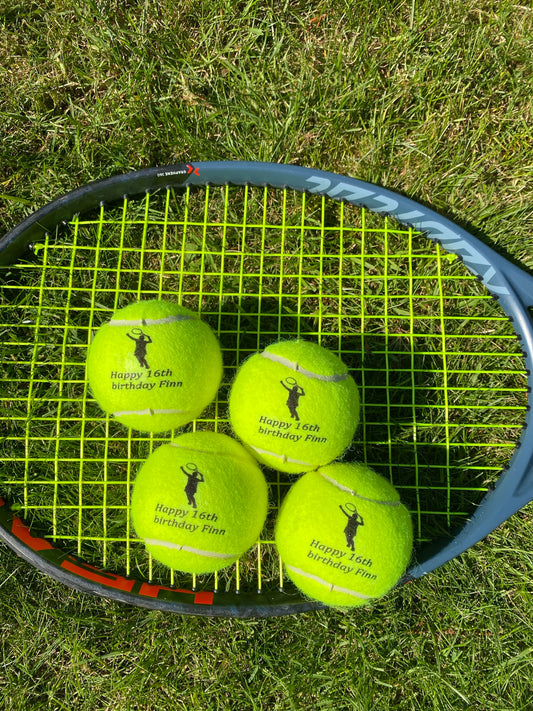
(433, 99)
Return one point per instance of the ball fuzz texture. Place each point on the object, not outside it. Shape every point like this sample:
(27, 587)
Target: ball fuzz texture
(343, 534)
(154, 366)
(294, 405)
(199, 502)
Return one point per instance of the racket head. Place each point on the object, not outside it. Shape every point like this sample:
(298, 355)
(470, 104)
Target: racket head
(236, 245)
(350, 507)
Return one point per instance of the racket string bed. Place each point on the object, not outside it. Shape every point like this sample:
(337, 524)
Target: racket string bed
(442, 376)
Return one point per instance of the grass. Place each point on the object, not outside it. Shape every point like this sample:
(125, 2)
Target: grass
(430, 98)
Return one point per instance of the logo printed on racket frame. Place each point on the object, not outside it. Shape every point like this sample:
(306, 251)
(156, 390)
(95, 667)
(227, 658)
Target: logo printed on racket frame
(436, 230)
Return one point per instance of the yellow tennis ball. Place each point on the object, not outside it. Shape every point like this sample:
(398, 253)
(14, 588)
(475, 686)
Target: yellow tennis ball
(343, 534)
(294, 405)
(200, 502)
(154, 366)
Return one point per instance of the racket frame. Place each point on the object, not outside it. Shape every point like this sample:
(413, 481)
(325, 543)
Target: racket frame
(506, 282)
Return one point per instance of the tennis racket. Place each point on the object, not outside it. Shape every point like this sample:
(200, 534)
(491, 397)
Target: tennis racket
(434, 325)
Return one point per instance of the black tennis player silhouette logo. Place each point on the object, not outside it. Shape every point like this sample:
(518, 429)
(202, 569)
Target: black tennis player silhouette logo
(194, 477)
(295, 393)
(142, 340)
(354, 521)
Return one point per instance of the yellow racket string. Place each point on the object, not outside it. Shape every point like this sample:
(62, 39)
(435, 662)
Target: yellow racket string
(440, 371)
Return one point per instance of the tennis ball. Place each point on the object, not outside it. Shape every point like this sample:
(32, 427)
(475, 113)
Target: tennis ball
(343, 535)
(199, 502)
(294, 405)
(154, 366)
